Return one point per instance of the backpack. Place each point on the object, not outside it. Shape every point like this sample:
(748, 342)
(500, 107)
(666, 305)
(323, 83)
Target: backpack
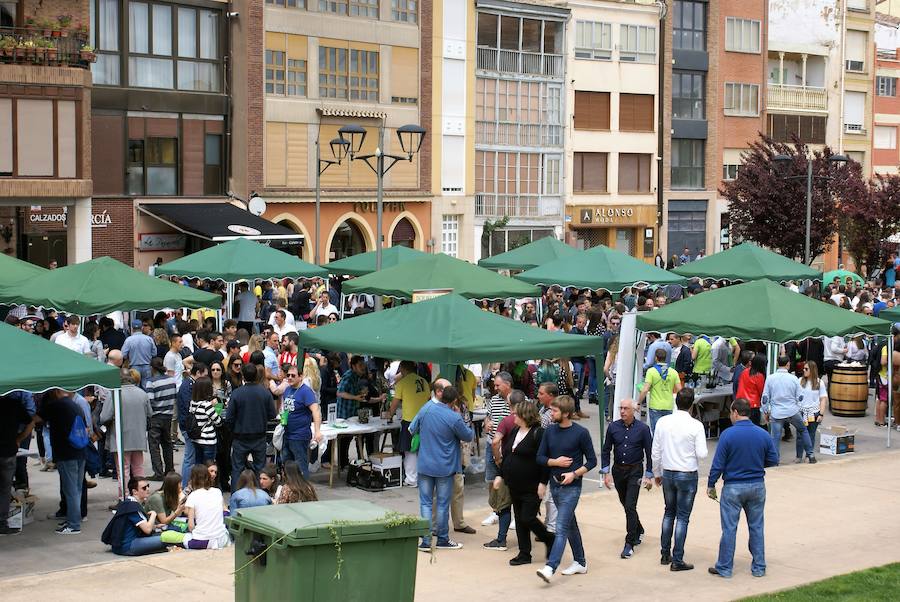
(192, 427)
(78, 436)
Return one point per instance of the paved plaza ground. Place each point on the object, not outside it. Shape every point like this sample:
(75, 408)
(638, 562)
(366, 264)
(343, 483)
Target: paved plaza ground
(821, 520)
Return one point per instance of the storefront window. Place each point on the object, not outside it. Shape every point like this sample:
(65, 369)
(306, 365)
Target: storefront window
(347, 241)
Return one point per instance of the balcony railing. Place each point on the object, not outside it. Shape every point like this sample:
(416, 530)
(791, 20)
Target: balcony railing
(36, 46)
(506, 133)
(517, 205)
(796, 98)
(854, 128)
(520, 63)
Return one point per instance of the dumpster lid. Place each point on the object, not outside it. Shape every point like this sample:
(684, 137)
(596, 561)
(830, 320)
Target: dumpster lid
(307, 523)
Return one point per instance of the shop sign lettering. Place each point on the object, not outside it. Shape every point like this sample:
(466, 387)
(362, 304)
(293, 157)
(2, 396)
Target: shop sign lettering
(372, 207)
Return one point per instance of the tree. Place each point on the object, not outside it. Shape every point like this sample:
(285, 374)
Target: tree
(767, 200)
(870, 219)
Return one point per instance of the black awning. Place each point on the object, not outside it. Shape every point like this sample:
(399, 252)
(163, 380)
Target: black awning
(218, 222)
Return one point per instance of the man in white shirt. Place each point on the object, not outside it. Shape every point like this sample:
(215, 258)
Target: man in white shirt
(288, 315)
(323, 307)
(70, 339)
(247, 307)
(281, 326)
(679, 443)
(835, 351)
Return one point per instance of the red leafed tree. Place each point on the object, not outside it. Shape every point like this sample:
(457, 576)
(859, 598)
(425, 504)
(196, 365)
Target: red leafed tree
(867, 220)
(767, 200)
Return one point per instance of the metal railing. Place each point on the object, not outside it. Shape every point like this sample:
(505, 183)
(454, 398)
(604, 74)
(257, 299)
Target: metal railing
(517, 205)
(39, 46)
(854, 128)
(796, 98)
(507, 133)
(520, 63)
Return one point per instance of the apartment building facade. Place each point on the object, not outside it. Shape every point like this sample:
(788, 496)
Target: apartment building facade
(46, 212)
(886, 102)
(611, 167)
(302, 71)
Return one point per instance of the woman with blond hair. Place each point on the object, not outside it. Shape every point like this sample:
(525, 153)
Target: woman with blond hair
(812, 406)
(256, 343)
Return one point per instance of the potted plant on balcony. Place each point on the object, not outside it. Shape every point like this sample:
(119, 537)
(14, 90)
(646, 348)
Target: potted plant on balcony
(46, 26)
(87, 54)
(29, 47)
(82, 33)
(30, 23)
(55, 27)
(8, 46)
(50, 47)
(65, 22)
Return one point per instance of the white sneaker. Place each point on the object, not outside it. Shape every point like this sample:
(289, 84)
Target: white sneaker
(545, 573)
(575, 569)
(492, 519)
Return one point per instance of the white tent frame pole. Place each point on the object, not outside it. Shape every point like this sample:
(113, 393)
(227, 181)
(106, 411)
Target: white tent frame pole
(120, 454)
(341, 309)
(890, 379)
(229, 299)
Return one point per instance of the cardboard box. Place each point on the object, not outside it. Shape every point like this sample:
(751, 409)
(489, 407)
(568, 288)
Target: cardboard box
(836, 440)
(391, 468)
(21, 511)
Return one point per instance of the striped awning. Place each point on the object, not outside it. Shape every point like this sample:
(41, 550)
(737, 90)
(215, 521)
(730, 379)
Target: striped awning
(348, 112)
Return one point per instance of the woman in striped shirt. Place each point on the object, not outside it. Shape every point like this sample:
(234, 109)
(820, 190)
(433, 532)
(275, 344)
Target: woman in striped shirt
(203, 408)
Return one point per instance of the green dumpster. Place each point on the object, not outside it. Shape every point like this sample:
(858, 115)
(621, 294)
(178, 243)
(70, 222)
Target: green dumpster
(338, 550)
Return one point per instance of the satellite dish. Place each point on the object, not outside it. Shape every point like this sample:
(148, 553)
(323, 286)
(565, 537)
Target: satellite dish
(257, 206)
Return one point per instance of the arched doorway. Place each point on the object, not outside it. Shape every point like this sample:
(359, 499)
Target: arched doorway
(348, 240)
(303, 251)
(404, 234)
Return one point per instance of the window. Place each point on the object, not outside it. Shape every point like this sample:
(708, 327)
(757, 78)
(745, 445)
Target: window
(552, 169)
(591, 110)
(885, 137)
(687, 164)
(810, 129)
(634, 172)
(858, 5)
(487, 29)
(637, 43)
(742, 99)
(364, 8)
(636, 112)
(689, 25)
(212, 164)
(332, 72)
(742, 35)
(405, 11)
(593, 40)
(589, 173)
(275, 72)
(296, 77)
(730, 171)
(198, 38)
(364, 75)
(688, 95)
(134, 167)
(854, 112)
(338, 7)
(150, 63)
(857, 48)
(288, 3)
(886, 86)
(104, 37)
(450, 235)
(152, 167)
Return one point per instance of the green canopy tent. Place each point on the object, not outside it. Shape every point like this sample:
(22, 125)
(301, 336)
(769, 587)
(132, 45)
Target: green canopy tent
(34, 365)
(439, 271)
(598, 268)
(15, 271)
(891, 315)
(746, 262)
(103, 285)
(364, 263)
(762, 311)
(842, 275)
(529, 256)
(240, 259)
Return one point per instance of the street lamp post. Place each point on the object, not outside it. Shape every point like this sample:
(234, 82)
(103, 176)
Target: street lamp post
(784, 159)
(338, 151)
(410, 137)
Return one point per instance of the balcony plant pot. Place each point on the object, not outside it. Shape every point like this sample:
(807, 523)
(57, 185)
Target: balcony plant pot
(88, 56)
(51, 54)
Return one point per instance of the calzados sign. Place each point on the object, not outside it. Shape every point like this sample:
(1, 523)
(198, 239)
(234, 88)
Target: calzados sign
(98, 220)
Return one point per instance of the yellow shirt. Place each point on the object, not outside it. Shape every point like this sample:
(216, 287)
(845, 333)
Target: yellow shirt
(466, 387)
(413, 391)
(202, 314)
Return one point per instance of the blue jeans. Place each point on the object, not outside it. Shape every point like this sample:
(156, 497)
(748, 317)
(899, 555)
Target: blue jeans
(804, 443)
(48, 450)
(240, 449)
(505, 517)
(71, 479)
(578, 381)
(566, 499)
(145, 545)
(751, 498)
(203, 452)
(655, 415)
(189, 458)
(443, 487)
(679, 491)
(592, 378)
(490, 467)
(298, 451)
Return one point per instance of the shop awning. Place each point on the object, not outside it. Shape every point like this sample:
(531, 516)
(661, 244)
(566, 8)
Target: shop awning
(218, 222)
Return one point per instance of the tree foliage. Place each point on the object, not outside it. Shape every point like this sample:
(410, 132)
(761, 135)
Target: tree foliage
(869, 220)
(767, 200)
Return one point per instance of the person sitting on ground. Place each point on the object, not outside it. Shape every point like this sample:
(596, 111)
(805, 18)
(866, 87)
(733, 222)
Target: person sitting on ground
(205, 504)
(248, 494)
(131, 532)
(295, 488)
(167, 501)
(268, 479)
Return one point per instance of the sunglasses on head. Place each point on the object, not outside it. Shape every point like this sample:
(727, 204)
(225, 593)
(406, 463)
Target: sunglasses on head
(145, 487)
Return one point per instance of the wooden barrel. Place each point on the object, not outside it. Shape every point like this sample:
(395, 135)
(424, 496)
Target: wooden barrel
(848, 391)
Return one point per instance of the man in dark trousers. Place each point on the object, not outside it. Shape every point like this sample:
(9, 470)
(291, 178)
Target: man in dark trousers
(249, 411)
(629, 440)
(742, 456)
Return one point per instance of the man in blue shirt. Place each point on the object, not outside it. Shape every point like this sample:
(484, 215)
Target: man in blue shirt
(742, 456)
(654, 342)
(139, 348)
(567, 449)
(302, 406)
(781, 399)
(440, 431)
(631, 441)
